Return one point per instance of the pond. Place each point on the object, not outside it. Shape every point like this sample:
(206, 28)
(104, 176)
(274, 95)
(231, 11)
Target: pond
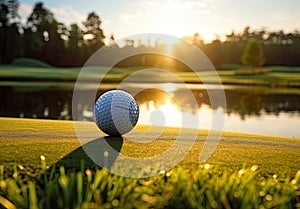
(262, 110)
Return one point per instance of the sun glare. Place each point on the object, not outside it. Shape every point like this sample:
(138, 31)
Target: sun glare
(178, 18)
(166, 113)
(171, 114)
(168, 19)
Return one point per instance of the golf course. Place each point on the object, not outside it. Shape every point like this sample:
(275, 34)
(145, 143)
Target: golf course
(44, 165)
(149, 104)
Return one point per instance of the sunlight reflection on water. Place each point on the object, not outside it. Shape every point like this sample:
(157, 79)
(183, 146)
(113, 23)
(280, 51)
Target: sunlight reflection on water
(169, 114)
(260, 110)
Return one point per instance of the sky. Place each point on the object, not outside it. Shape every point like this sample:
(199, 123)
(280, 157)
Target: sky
(210, 18)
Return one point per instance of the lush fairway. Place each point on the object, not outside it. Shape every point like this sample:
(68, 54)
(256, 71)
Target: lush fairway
(34, 70)
(25, 140)
(245, 171)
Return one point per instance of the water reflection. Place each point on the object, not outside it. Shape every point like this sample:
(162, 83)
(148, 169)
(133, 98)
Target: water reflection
(54, 103)
(248, 109)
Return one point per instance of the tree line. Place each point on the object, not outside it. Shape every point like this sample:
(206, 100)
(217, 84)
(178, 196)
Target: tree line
(43, 37)
(277, 48)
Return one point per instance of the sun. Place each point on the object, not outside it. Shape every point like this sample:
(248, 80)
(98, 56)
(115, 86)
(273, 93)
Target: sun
(169, 19)
(179, 18)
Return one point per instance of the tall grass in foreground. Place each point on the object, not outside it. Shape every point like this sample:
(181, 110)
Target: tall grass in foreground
(204, 187)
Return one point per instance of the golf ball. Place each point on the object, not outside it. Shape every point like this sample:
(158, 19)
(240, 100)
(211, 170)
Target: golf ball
(116, 112)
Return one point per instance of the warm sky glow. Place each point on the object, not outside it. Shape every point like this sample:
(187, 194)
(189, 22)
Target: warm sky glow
(177, 17)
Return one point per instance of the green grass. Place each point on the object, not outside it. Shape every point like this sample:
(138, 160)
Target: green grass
(245, 171)
(25, 69)
(275, 76)
(205, 187)
(25, 140)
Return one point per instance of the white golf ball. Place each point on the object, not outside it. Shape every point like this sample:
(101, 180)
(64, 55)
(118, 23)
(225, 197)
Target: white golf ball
(116, 112)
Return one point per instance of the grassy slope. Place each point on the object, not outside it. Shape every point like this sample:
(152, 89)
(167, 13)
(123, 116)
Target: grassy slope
(274, 76)
(23, 141)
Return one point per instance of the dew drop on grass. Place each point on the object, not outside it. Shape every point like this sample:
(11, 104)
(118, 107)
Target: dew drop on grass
(162, 172)
(115, 203)
(20, 166)
(2, 184)
(269, 197)
(241, 172)
(88, 172)
(254, 168)
(236, 194)
(42, 157)
(169, 174)
(206, 166)
(262, 193)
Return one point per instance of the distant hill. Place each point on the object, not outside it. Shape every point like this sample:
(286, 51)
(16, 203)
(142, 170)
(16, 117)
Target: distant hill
(29, 62)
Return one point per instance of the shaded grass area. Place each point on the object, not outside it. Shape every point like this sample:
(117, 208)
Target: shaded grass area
(245, 171)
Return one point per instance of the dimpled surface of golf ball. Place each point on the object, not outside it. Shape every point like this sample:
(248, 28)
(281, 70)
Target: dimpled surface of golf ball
(116, 112)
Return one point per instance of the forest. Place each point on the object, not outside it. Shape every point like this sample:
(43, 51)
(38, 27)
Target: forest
(43, 37)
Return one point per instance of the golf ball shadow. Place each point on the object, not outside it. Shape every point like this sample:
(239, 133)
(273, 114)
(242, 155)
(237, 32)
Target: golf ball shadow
(116, 112)
(104, 151)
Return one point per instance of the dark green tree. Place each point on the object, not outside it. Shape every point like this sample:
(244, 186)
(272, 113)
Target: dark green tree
(75, 39)
(10, 40)
(36, 33)
(55, 48)
(75, 46)
(253, 54)
(44, 36)
(94, 36)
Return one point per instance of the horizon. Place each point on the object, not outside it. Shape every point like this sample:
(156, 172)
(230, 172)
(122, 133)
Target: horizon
(212, 19)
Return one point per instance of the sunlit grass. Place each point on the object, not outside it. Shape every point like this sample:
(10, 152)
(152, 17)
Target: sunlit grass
(245, 171)
(25, 140)
(278, 76)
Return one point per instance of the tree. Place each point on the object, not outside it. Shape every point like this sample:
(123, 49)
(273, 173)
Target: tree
(10, 40)
(37, 34)
(253, 54)
(197, 41)
(94, 35)
(75, 37)
(54, 47)
(44, 36)
(112, 40)
(75, 46)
